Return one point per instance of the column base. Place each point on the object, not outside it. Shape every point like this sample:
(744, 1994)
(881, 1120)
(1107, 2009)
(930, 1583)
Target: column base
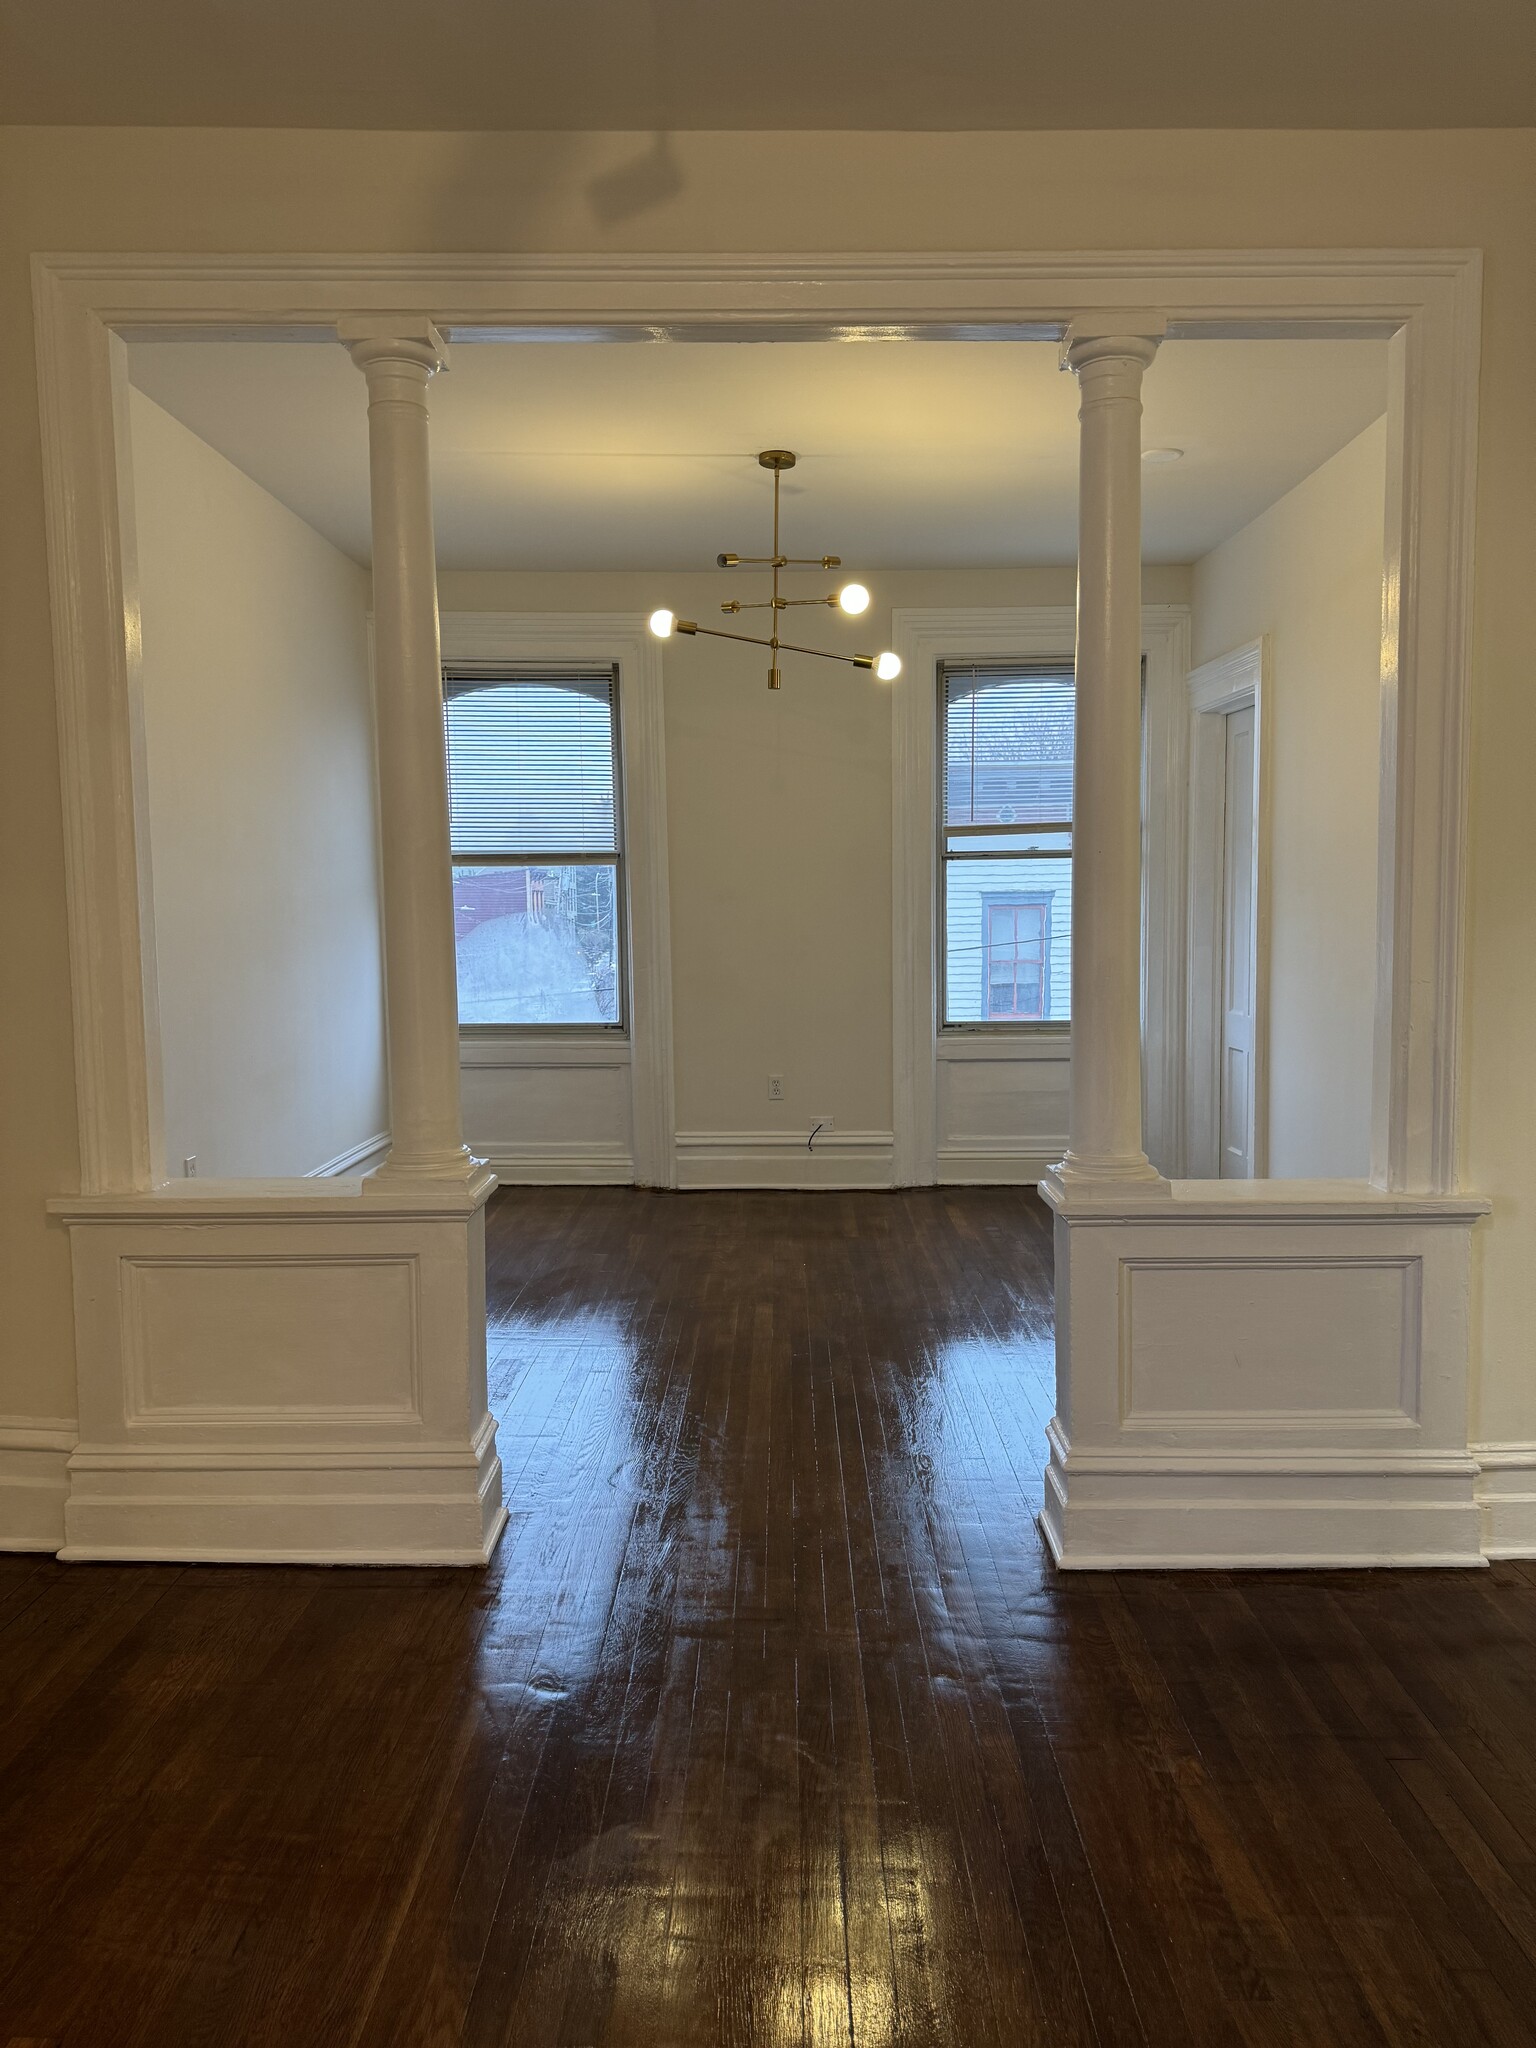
(1261, 1375)
(1076, 1174)
(277, 1373)
(460, 1169)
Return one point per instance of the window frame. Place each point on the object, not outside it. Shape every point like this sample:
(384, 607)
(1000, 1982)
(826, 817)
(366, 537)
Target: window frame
(1018, 899)
(513, 671)
(952, 1028)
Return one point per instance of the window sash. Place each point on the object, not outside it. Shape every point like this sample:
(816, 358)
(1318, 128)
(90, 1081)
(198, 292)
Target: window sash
(1022, 955)
(958, 682)
(461, 678)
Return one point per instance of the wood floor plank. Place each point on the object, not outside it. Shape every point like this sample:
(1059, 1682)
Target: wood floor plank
(771, 1722)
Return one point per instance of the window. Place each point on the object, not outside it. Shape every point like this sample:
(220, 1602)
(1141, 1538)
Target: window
(1018, 969)
(1005, 842)
(538, 873)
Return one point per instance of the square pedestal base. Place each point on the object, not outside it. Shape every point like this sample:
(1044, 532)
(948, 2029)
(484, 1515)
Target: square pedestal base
(1261, 1373)
(274, 1375)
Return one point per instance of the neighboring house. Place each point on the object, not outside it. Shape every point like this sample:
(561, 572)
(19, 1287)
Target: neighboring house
(1008, 921)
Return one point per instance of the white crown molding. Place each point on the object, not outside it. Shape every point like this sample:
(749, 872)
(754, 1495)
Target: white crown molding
(506, 295)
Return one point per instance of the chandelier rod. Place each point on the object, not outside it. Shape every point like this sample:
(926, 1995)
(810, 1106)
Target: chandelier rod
(788, 646)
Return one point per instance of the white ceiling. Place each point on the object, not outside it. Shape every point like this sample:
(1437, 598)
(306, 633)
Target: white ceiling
(680, 64)
(559, 455)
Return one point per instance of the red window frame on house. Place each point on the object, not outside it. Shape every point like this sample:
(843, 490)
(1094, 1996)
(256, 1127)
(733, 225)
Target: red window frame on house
(1017, 940)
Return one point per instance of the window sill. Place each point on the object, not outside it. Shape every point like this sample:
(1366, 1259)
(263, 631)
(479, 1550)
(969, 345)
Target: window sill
(539, 1045)
(1005, 1042)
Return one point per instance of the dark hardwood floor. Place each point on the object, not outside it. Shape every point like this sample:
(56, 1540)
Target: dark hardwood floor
(770, 1723)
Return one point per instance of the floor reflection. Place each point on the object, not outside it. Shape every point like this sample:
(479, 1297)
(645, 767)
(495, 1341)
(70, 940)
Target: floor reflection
(768, 1724)
(772, 1464)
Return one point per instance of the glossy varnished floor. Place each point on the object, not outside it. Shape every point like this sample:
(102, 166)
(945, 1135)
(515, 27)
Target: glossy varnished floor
(769, 1724)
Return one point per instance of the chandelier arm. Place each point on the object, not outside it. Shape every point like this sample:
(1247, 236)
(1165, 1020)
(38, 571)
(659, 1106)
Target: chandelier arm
(754, 640)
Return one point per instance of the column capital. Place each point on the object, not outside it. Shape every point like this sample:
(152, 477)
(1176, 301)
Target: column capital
(393, 338)
(1120, 331)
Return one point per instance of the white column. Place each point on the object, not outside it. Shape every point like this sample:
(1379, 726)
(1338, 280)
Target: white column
(398, 355)
(1108, 355)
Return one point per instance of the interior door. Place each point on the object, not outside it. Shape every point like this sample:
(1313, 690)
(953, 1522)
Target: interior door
(1237, 952)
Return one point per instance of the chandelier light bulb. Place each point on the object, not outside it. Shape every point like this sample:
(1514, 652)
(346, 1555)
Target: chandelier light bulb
(853, 599)
(662, 623)
(887, 666)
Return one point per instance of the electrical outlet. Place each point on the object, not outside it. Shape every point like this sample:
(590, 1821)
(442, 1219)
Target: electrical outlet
(775, 1087)
(189, 1166)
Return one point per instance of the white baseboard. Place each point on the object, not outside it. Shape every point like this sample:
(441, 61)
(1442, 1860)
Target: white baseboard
(34, 1480)
(779, 1159)
(1506, 1498)
(361, 1158)
(574, 1163)
(972, 1165)
(1260, 1510)
(410, 1503)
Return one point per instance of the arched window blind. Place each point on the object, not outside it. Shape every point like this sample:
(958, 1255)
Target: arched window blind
(537, 838)
(1005, 842)
(1008, 735)
(531, 763)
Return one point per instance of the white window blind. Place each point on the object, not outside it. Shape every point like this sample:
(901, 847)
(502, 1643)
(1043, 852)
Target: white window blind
(536, 831)
(1005, 842)
(531, 763)
(1008, 736)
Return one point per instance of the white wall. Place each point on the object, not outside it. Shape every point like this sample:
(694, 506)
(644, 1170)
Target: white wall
(259, 753)
(249, 192)
(1308, 573)
(779, 828)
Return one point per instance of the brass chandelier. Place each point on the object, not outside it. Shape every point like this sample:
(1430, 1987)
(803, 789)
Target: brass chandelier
(853, 598)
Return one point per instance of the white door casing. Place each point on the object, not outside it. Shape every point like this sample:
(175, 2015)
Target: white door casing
(1228, 984)
(1239, 882)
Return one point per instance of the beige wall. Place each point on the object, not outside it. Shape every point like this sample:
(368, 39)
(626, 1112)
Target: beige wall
(189, 190)
(779, 836)
(259, 757)
(1307, 573)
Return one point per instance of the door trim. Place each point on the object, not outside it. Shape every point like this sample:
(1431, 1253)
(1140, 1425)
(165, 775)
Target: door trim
(1217, 688)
